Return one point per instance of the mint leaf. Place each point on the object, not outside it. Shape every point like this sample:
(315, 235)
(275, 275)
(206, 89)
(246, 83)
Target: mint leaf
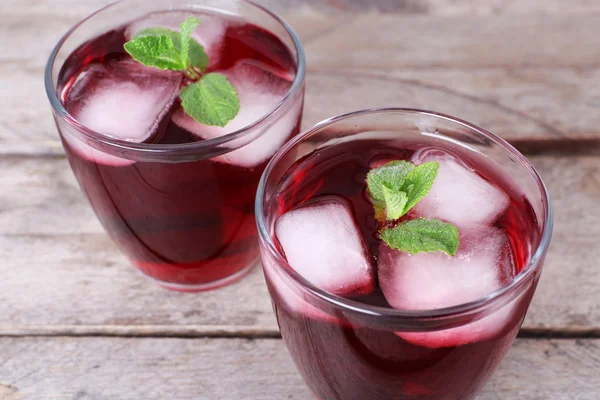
(422, 235)
(391, 175)
(189, 51)
(211, 101)
(418, 182)
(399, 185)
(174, 35)
(384, 184)
(395, 203)
(155, 51)
(187, 27)
(197, 56)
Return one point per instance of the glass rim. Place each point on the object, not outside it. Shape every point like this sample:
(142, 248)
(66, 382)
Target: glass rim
(489, 301)
(150, 148)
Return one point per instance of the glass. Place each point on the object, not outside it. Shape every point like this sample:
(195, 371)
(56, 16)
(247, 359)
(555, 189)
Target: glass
(182, 212)
(347, 349)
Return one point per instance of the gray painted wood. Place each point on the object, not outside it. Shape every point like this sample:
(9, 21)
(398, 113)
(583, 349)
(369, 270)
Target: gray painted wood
(62, 274)
(526, 70)
(232, 369)
(522, 70)
(429, 7)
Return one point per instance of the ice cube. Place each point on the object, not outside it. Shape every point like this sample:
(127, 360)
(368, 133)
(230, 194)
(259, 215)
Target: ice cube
(429, 281)
(323, 244)
(459, 195)
(122, 100)
(294, 298)
(260, 90)
(210, 33)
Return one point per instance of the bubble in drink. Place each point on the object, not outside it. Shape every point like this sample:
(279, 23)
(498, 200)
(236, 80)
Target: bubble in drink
(459, 195)
(122, 100)
(322, 243)
(260, 89)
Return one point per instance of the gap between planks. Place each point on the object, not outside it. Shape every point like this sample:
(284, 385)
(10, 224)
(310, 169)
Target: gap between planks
(238, 332)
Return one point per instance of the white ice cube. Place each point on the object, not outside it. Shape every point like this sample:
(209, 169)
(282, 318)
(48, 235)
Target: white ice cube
(210, 33)
(122, 100)
(323, 244)
(430, 281)
(260, 90)
(459, 195)
(294, 297)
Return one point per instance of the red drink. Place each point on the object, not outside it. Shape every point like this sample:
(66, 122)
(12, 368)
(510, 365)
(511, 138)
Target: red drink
(381, 338)
(372, 363)
(185, 219)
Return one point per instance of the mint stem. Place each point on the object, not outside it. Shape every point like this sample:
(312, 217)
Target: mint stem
(193, 74)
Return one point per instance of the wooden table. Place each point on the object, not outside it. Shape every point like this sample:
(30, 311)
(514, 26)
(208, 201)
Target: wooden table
(77, 322)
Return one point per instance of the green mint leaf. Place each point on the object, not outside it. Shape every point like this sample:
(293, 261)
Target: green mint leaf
(155, 51)
(418, 182)
(211, 101)
(422, 235)
(395, 203)
(398, 186)
(187, 27)
(197, 56)
(391, 175)
(174, 35)
(194, 56)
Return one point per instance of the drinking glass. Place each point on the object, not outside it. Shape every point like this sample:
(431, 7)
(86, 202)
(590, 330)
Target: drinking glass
(350, 350)
(179, 213)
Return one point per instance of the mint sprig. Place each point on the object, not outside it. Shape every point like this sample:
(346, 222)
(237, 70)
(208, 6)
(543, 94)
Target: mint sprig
(422, 235)
(395, 188)
(210, 99)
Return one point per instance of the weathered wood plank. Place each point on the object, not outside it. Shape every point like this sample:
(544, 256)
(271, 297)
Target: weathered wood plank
(81, 279)
(517, 104)
(375, 41)
(568, 293)
(429, 7)
(61, 274)
(517, 75)
(101, 368)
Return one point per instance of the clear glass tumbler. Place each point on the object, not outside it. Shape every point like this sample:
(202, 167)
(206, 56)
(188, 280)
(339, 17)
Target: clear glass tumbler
(348, 349)
(180, 209)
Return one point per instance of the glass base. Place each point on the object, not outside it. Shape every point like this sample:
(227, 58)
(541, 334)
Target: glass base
(205, 286)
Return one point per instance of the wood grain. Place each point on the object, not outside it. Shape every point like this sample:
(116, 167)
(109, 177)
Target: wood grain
(390, 42)
(55, 282)
(62, 275)
(218, 369)
(517, 104)
(78, 323)
(526, 73)
(429, 7)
